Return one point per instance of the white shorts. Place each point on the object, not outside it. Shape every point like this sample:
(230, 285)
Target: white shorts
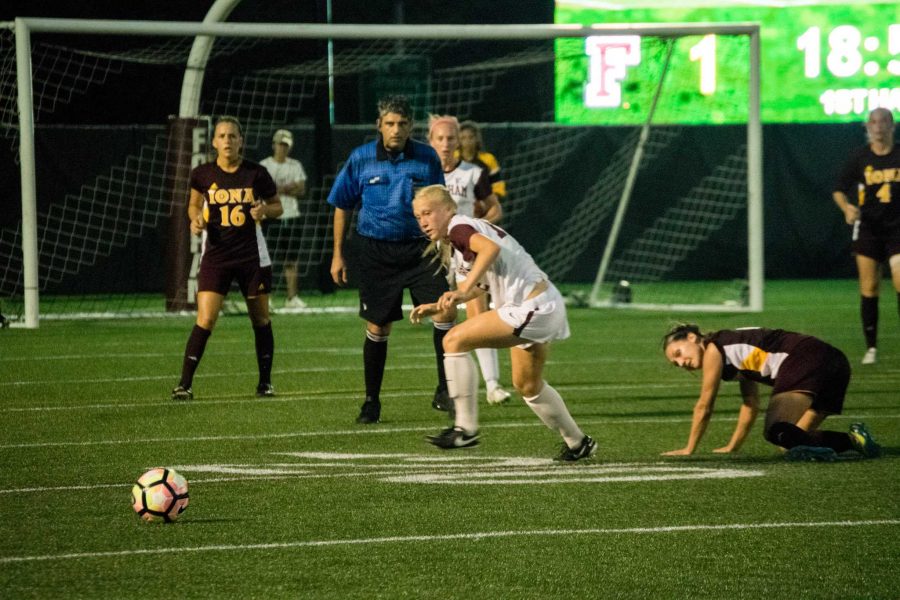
(540, 319)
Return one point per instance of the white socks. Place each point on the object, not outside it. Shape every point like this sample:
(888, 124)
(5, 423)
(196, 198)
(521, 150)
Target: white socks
(490, 366)
(462, 384)
(550, 408)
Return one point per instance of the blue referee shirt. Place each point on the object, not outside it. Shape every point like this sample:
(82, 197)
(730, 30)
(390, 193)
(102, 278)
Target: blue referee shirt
(383, 186)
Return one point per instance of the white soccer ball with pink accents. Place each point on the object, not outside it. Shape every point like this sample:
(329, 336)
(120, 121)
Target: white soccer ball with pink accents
(160, 494)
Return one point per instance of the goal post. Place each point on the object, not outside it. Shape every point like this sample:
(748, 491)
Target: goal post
(745, 292)
(454, 89)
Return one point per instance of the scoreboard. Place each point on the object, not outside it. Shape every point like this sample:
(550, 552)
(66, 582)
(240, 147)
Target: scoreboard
(820, 62)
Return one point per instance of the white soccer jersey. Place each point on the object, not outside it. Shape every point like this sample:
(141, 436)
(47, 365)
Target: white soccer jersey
(512, 276)
(289, 171)
(467, 183)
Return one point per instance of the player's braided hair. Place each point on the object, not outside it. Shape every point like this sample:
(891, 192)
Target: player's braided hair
(442, 252)
(679, 332)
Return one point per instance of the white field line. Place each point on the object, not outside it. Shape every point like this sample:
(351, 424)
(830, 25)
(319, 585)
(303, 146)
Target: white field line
(402, 364)
(583, 474)
(366, 431)
(130, 356)
(289, 434)
(173, 376)
(128, 351)
(450, 537)
(419, 473)
(289, 397)
(883, 377)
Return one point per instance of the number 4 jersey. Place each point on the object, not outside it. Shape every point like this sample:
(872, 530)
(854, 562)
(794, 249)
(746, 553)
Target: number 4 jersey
(875, 182)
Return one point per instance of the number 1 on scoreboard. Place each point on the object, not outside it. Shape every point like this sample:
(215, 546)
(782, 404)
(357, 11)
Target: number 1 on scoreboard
(705, 52)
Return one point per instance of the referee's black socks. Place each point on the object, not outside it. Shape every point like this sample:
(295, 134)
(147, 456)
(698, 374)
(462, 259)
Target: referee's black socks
(374, 358)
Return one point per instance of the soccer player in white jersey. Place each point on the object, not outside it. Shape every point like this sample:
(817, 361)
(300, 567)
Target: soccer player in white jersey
(470, 187)
(529, 314)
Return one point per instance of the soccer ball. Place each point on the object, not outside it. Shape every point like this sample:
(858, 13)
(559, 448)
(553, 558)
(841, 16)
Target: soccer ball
(160, 494)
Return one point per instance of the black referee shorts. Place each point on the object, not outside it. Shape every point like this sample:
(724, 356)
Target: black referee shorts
(386, 269)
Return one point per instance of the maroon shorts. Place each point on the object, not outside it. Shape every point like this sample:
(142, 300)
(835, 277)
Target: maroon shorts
(251, 278)
(878, 243)
(819, 369)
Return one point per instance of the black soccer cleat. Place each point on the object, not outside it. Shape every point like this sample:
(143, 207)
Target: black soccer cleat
(182, 393)
(265, 390)
(583, 451)
(452, 438)
(442, 400)
(370, 412)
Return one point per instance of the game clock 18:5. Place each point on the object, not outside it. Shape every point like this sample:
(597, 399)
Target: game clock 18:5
(844, 52)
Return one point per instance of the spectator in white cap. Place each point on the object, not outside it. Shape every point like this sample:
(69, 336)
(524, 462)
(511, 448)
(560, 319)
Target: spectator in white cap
(290, 178)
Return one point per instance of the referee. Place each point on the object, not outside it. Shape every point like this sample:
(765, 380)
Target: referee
(380, 178)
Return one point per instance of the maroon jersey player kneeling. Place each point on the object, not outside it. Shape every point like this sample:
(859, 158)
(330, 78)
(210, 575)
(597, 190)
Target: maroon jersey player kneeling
(809, 379)
(229, 197)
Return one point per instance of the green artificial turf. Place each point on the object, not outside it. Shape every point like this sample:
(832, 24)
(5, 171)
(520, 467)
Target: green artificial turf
(291, 499)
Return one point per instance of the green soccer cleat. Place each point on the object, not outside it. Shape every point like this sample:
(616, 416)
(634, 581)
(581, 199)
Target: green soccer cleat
(863, 442)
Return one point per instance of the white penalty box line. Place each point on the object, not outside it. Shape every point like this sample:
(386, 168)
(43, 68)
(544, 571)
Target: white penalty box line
(604, 421)
(473, 536)
(430, 470)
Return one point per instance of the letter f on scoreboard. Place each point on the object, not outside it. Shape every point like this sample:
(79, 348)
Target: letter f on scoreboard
(610, 56)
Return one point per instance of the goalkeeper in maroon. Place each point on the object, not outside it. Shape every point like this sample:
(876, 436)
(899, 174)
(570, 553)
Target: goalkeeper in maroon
(808, 377)
(229, 199)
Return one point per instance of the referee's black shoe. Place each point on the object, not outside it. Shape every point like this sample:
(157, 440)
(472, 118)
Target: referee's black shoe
(443, 402)
(182, 393)
(265, 390)
(370, 412)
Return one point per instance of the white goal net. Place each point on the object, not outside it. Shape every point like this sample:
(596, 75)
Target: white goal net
(106, 168)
